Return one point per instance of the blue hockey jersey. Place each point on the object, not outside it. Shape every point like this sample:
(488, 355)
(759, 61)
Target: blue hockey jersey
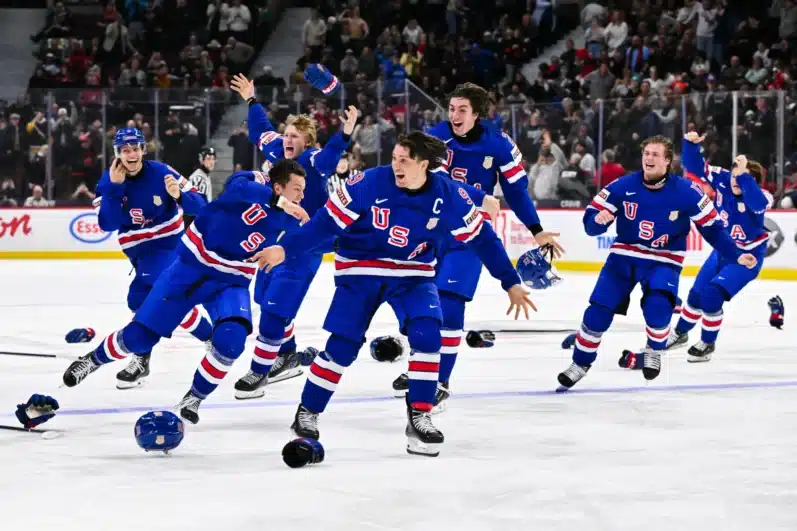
(485, 157)
(387, 231)
(742, 215)
(654, 224)
(142, 211)
(319, 164)
(234, 227)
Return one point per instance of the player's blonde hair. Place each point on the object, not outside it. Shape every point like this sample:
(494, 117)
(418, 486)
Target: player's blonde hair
(305, 125)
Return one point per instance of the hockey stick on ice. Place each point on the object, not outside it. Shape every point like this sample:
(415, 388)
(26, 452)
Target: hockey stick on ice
(19, 428)
(38, 355)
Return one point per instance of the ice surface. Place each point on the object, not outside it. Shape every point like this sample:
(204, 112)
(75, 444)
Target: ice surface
(686, 452)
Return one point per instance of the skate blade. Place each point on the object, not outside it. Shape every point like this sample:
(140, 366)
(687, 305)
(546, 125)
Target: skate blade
(562, 389)
(399, 393)
(677, 346)
(698, 359)
(120, 384)
(286, 375)
(416, 447)
(249, 395)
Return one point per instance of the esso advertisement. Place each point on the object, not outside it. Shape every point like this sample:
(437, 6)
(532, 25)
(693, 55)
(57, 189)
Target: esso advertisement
(85, 227)
(54, 233)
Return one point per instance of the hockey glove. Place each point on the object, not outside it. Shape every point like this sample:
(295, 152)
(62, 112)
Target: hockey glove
(80, 335)
(630, 360)
(569, 341)
(307, 356)
(322, 79)
(301, 452)
(37, 410)
(777, 312)
(480, 338)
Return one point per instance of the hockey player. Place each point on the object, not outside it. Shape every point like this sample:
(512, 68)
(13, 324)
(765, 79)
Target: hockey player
(390, 221)
(143, 200)
(741, 204)
(280, 293)
(211, 268)
(481, 157)
(653, 209)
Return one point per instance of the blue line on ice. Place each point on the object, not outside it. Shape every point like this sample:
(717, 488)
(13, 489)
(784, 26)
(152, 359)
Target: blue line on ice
(461, 396)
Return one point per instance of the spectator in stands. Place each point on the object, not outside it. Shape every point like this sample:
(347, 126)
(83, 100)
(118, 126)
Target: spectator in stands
(237, 18)
(36, 199)
(242, 149)
(610, 170)
(544, 176)
(314, 34)
(616, 32)
(8, 193)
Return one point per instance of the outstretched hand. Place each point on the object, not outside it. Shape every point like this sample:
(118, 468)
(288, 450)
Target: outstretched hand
(243, 86)
(519, 299)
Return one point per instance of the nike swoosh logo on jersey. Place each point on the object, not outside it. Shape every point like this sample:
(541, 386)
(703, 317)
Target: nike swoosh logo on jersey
(271, 303)
(380, 201)
(630, 193)
(452, 281)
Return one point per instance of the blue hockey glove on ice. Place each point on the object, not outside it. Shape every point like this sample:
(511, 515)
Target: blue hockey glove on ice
(777, 311)
(322, 79)
(307, 356)
(480, 338)
(80, 335)
(37, 410)
(569, 341)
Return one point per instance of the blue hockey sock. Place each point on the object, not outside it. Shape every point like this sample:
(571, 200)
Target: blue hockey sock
(690, 313)
(453, 307)
(197, 325)
(597, 319)
(713, 298)
(326, 371)
(229, 338)
(269, 341)
(425, 340)
(134, 338)
(657, 309)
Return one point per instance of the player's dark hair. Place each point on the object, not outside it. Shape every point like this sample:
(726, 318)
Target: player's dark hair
(281, 172)
(424, 147)
(478, 97)
(755, 169)
(669, 151)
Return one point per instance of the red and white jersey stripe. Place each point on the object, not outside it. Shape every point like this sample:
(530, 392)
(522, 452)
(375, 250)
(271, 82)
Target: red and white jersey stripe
(755, 242)
(325, 374)
(513, 171)
(474, 220)
(424, 366)
(168, 228)
(640, 251)
(383, 267)
(212, 369)
(712, 323)
(600, 202)
(707, 215)
(265, 353)
(337, 207)
(451, 341)
(192, 239)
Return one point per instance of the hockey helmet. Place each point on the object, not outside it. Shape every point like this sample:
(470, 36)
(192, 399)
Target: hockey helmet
(386, 348)
(536, 269)
(159, 431)
(206, 152)
(128, 136)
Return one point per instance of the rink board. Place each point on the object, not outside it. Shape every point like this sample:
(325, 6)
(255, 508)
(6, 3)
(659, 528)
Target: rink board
(73, 233)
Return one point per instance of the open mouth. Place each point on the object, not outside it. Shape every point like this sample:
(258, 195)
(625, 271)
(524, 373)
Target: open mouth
(649, 167)
(457, 125)
(289, 150)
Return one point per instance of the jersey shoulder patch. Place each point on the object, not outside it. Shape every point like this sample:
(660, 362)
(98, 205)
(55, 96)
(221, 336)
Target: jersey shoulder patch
(267, 138)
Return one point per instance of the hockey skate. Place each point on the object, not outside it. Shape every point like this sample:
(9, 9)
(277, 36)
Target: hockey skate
(135, 374)
(188, 408)
(79, 369)
(285, 367)
(571, 376)
(401, 385)
(423, 438)
(305, 423)
(676, 340)
(700, 352)
(252, 385)
(651, 366)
